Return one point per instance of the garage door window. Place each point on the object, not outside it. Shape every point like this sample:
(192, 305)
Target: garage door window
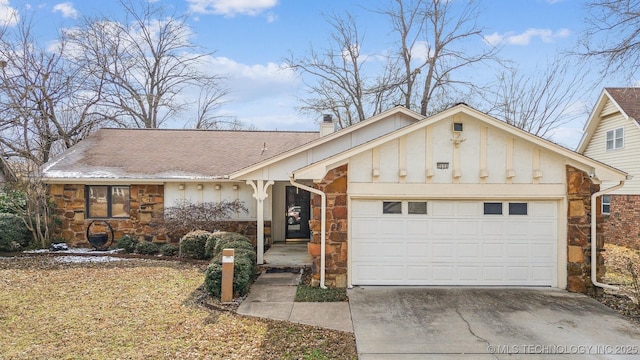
(418, 207)
(391, 207)
(517, 208)
(493, 208)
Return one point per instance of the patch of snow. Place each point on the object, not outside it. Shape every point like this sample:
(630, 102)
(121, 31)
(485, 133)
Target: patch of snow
(87, 259)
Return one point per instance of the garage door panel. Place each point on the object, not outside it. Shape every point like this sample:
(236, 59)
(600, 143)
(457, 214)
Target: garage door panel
(467, 227)
(454, 244)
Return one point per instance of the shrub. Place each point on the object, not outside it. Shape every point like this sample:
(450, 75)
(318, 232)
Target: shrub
(169, 250)
(192, 245)
(128, 243)
(147, 248)
(186, 216)
(249, 254)
(14, 234)
(225, 238)
(243, 270)
(210, 246)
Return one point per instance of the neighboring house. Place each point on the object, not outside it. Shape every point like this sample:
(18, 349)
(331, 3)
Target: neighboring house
(458, 198)
(612, 135)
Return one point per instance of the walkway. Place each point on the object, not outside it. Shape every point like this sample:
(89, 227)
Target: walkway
(272, 296)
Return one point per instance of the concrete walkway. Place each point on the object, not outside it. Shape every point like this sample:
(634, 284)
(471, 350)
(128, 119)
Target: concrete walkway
(272, 296)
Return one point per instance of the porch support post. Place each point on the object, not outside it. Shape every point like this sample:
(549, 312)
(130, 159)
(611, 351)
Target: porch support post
(260, 193)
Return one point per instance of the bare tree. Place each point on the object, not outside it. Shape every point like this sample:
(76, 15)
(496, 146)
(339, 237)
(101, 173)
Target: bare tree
(148, 62)
(613, 35)
(428, 54)
(431, 36)
(46, 102)
(339, 85)
(542, 102)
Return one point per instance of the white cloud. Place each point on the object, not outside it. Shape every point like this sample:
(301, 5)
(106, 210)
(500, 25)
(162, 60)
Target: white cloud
(66, 9)
(231, 7)
(8, 15)
(546, 35)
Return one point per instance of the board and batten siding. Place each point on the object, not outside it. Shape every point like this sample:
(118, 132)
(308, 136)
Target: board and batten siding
(626, 159)
(484, 155)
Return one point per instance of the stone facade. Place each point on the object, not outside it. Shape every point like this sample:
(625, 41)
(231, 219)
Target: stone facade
(580, 187)
(622, 225)
(334, 185)
(146, 208)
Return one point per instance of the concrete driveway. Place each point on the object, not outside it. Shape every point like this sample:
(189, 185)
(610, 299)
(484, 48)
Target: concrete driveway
(487, 323)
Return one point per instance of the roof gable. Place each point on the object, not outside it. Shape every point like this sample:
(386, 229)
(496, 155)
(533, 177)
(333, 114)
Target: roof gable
(626, 100)
(317, 170)
(176, 154)
(333, 137)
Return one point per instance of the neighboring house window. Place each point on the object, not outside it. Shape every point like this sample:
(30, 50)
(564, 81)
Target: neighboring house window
(392, 207)
(615, 139)
(606, 204)
(107, 201)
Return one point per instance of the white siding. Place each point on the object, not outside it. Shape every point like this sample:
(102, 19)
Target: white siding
(503, 152)
(626, 159)
(208, 193)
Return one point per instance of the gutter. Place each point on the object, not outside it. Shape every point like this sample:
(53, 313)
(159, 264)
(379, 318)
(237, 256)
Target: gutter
(323, 220)
(594, 239)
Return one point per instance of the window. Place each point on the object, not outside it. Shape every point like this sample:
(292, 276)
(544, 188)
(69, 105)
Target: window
(517, 208)
(107, 201)
(391, 207)
(419, 208)
(615, 139)
(606, 204)
(493, 208)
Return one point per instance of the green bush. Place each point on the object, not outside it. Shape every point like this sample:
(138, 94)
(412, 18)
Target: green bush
(128, 243)
(14, 235)
(169, 250)
(224, 238)
(192, 245)
(210, 246)
(147, 248)
(243, 270)
(249, 254)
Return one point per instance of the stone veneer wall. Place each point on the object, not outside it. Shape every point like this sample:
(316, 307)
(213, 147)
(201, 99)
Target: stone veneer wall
(622, 225)
(334, 185)
(146, 212)
(579, 190)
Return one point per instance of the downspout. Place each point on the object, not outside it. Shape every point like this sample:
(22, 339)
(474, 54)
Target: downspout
(323, 220)
(594, 239)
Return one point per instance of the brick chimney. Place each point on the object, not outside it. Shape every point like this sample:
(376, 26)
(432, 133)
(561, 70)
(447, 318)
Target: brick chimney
(327, 126)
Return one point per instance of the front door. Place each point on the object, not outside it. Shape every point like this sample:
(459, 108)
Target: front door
(297, 214)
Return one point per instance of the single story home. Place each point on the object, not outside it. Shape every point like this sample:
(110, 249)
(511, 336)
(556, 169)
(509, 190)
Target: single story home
(612, 135)
(457, 198)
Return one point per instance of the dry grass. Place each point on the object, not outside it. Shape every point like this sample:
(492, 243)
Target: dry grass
(137, 309)
(616, 260)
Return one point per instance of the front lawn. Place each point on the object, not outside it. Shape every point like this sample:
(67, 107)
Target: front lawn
(138, 309)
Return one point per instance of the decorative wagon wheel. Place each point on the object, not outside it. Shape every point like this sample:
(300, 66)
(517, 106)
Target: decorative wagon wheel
(100, 240)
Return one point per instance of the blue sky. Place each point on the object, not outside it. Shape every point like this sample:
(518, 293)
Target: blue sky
(251, 37)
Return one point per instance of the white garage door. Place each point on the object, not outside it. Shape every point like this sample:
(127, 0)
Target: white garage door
(454, 242)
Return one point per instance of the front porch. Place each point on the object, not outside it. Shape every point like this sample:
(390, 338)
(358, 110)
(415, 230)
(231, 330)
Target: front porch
(285, 256)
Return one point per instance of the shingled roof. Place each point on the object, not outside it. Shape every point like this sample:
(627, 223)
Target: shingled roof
(170, 154)
(628, 99)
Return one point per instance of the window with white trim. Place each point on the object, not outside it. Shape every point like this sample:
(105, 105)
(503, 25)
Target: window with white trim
(615, 139)
(606, 204)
